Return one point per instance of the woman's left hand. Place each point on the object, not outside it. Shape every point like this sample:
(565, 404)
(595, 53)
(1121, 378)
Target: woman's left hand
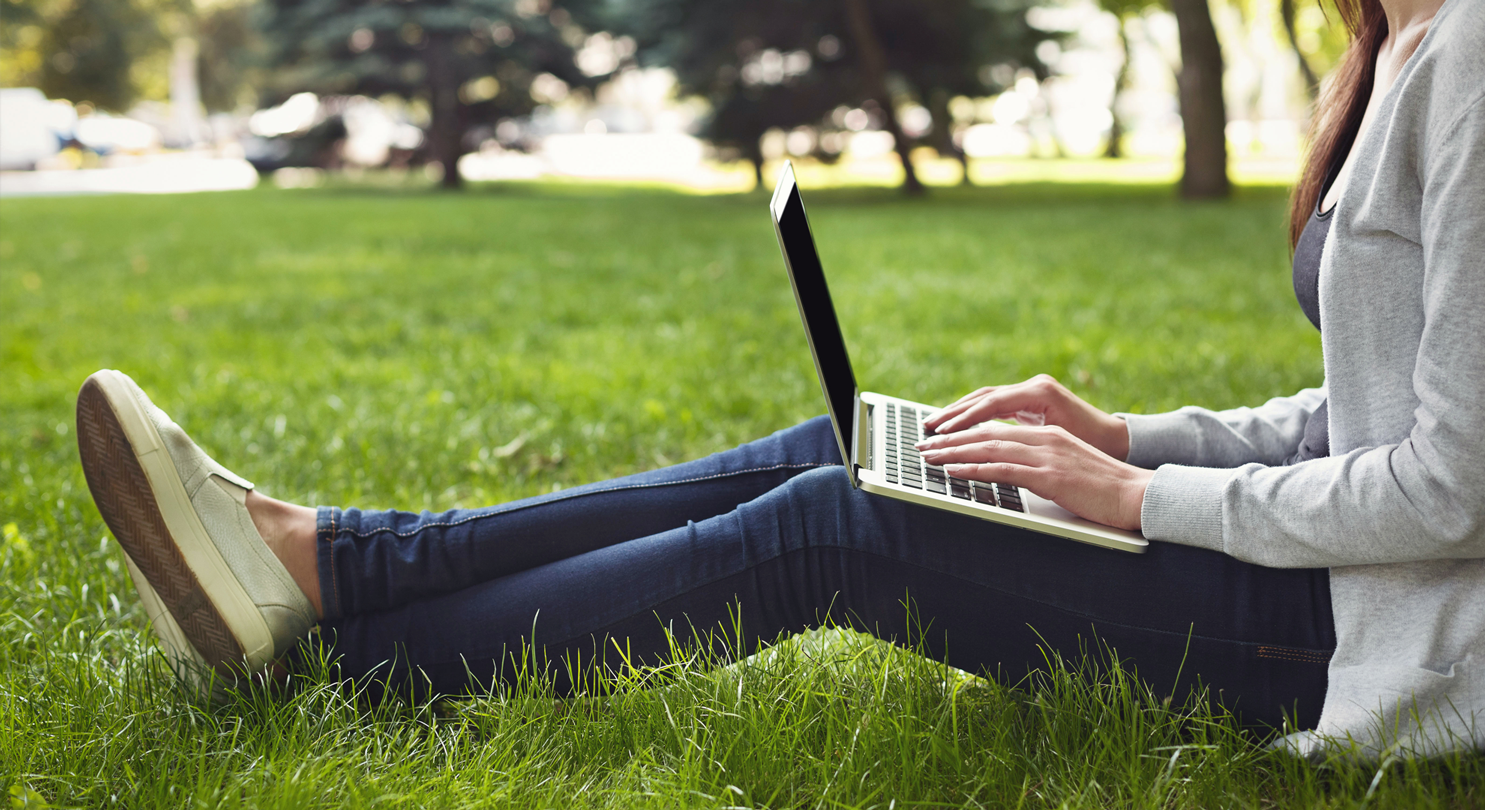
(1050, 462)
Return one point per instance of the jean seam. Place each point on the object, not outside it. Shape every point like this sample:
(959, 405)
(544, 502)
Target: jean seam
(334, 574)
(500, 511)
(1301, 655)
(1069, 611)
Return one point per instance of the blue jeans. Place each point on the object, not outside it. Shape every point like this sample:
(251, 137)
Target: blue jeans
(773, 532)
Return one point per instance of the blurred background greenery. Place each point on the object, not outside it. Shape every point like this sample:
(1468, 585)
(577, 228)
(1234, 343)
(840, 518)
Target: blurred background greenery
(702, 92)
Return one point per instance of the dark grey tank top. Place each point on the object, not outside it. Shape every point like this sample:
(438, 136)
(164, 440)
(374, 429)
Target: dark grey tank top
(1316, 442)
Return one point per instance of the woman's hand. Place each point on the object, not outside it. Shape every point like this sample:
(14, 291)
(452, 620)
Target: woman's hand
(1040, 400)
(1051, 462)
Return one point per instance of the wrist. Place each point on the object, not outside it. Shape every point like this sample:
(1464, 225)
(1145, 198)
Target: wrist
(1115, 433)
(1132, 502)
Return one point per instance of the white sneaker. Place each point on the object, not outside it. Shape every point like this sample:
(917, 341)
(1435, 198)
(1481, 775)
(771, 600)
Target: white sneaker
(215, 593)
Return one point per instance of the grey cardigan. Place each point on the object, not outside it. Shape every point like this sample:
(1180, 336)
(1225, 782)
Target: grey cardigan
(1398, 510)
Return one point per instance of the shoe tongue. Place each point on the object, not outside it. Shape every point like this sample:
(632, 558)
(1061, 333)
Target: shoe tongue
(236, 490)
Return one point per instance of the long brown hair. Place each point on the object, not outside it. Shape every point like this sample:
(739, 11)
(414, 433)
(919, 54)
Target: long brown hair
(1341, 107)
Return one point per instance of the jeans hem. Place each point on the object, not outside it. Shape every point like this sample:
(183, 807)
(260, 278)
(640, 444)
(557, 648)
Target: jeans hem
(327, 522)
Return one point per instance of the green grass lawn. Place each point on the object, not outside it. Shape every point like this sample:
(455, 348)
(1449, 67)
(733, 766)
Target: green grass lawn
(377, 348)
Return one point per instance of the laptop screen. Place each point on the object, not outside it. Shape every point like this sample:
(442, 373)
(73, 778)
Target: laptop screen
(815, 308)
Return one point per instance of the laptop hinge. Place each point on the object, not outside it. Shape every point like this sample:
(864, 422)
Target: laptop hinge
(861, 438)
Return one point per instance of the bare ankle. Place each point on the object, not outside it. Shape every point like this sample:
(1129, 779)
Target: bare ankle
(289, 532)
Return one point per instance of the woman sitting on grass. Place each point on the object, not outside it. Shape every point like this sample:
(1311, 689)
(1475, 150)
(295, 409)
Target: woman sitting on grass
(1380, 475)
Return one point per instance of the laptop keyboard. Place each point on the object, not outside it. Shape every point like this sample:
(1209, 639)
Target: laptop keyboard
(904, 465)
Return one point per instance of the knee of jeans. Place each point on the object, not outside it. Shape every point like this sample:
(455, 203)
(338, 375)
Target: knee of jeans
(831, 511)
(822, 485)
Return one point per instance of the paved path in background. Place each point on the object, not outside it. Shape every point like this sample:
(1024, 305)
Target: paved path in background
(176, 175)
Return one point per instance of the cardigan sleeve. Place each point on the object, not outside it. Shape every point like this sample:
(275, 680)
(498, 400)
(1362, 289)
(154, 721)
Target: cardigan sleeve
(1419, 499)
(1197, 437)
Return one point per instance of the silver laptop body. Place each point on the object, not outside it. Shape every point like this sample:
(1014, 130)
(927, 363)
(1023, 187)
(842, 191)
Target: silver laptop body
(876, 433)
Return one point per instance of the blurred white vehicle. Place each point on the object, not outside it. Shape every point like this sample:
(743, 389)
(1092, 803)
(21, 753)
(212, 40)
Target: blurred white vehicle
(31, 127)
(106, 134)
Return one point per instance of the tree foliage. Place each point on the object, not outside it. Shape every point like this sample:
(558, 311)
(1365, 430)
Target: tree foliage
(472, 62)
(96, 51)
(766, 64)
(232, 51)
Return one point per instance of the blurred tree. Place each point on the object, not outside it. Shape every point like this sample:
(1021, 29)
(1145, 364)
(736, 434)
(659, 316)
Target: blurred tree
(741, 115)
(759, 65)
(231, 56)
(871, 64)
(1123, 11)
(1203, 108)
(783, 64)
(948, 49)
(1318, 41)
(1312, 81)
(471, 61)
(94, 51)
(1198, 89)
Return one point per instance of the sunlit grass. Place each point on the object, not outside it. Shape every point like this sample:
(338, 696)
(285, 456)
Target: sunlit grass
(374, 347)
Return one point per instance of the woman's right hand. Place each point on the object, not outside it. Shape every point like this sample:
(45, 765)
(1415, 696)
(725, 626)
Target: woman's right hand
(1040, 400)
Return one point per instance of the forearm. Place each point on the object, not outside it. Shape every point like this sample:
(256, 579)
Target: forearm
(1374, 505)
(1197, 437)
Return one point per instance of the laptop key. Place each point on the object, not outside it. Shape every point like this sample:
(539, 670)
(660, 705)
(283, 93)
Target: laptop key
(936, 486)
(985, 495)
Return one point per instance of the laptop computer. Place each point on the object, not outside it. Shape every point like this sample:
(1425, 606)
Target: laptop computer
(876, 433)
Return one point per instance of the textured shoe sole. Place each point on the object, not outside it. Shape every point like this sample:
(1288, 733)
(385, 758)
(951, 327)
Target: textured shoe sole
(177, 647)
(131, 505)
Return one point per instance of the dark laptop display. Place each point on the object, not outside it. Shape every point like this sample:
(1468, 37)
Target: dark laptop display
(813, 296)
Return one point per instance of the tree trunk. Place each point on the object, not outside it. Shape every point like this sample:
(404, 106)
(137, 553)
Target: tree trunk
(1203, 111)
(873, 66)
(943, 131)
(1312, 82)
(445, 130)
(1121, 83)
(752, 152)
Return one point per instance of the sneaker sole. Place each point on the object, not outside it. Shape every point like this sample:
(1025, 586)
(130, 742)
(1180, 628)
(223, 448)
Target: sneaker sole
(144, 502)
(176, 646)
